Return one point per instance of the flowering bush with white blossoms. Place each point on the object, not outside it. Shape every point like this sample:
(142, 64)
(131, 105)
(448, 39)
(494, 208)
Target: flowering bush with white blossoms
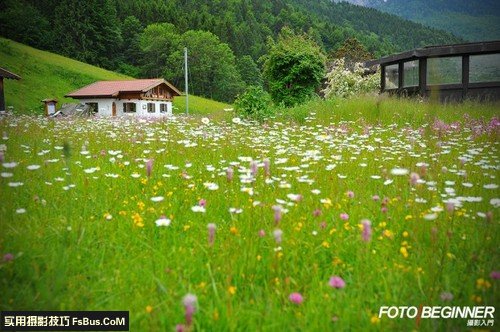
(344, 83)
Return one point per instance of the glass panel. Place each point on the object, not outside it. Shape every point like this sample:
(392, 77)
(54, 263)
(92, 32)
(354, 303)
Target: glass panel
(93, 107)
(484, 68)
(151, 108)
(444, 70)
(391, 76)
(410, 73)
(129, 107)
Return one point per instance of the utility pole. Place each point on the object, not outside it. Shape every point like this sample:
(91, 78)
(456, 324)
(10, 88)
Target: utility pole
(186, 78)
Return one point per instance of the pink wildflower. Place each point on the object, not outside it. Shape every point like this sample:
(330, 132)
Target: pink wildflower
(229, 174)
(8, 257)
(189, 302)
(253, 168)
(366, 234)
(149, 167)
(211, 233)
(446, 296)
(277, 213)
(414, 177)
(296, 298)
(278, 233)
(344, 216)
(336, 282)
(267, 166)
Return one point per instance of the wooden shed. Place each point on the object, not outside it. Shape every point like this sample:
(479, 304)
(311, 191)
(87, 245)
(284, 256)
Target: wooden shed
(447, 72)
(4, 73)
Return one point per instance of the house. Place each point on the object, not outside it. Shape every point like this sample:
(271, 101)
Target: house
(447, 72)
(4, 73)
(141, 97)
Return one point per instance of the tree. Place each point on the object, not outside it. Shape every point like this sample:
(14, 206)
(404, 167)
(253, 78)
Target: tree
(352, 51)
(88, 31)
(254, 103)
(14, 18)
(131, 29)
(249, 71)
(158, 43)
(293, 68)
(212, 64)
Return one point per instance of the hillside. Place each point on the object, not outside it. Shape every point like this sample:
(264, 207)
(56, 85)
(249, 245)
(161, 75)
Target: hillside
(48, 75)
(474, 20)
(91, 30)
(227, 39)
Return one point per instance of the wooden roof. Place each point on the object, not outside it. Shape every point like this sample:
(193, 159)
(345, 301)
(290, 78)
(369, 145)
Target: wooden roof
(7, 74)
(440, 50)
(104, 89)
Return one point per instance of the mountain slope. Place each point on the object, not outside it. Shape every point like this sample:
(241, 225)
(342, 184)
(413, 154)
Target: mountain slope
(474, 20)
(48, 75)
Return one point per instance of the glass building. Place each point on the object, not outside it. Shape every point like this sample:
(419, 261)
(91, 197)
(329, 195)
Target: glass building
(447, 72)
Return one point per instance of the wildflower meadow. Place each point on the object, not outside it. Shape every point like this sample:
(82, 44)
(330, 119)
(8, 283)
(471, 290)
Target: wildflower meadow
(223, 224)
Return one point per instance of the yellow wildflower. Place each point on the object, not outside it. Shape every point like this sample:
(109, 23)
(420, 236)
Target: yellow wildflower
(232, 290)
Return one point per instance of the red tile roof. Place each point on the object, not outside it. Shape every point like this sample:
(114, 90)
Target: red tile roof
(113, 88)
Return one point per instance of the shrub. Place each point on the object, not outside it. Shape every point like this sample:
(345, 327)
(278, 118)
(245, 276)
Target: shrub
(342, 82)
(293, 68)
(254, 103)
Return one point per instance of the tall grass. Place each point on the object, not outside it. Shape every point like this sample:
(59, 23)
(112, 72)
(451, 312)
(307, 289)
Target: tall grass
(386, 109)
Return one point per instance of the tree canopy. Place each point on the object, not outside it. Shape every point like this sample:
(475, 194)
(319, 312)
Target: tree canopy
(293, 67)
(212, 65)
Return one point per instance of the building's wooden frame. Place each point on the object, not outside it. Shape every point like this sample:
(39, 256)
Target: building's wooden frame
(4, 73)
(444, 92)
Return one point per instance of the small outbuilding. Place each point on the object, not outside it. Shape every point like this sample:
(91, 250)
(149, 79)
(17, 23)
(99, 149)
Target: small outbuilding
(447, 72)
(141, 97)
(49, 106)
(4, 73)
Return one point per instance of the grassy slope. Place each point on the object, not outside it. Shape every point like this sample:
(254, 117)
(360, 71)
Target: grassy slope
(48, 75)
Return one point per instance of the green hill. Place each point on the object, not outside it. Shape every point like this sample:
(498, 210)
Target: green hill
(48, 75)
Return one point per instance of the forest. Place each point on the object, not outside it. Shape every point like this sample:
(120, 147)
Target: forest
(226, 39)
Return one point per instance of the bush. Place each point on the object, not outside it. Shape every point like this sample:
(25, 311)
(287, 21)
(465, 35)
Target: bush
(254, 103)
(293, 68)
(342, 82)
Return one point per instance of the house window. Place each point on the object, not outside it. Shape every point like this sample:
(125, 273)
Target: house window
(484, 68)
(391, 76)
(410, 73)
(163, 108)
(151, 107)
(447, 70)
(93, 107)
(129, 108)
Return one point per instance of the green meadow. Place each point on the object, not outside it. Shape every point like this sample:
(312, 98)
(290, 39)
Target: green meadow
(311, 221)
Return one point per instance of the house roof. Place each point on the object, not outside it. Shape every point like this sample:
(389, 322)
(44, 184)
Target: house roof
(440, 50)
(114, 88)
(7, 74)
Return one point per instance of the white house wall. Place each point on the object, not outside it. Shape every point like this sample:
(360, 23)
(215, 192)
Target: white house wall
(105, 107)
